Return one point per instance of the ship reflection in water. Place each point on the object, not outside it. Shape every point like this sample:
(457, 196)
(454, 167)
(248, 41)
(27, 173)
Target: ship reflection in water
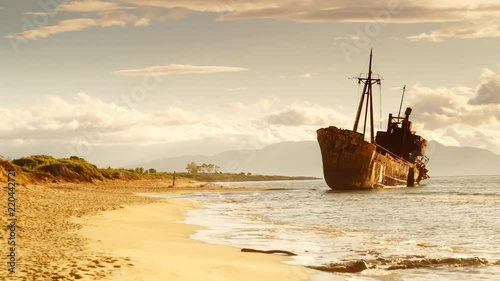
(395, 157)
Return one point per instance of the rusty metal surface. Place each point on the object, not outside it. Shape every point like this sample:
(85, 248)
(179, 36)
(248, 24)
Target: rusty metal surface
(394, 157)
(349, 162)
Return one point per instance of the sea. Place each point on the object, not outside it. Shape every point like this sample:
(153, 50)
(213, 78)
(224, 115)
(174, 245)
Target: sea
(443, 218)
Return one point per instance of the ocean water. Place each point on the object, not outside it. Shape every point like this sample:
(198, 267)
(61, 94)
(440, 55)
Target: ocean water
(446, 217)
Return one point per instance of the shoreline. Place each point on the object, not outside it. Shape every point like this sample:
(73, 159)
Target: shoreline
(52, 247)
(158, 245)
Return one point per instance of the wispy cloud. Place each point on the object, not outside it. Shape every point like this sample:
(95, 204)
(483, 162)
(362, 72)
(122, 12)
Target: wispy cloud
(233, 105)
(38, 13)
(478, 29)
(349, 37)
(306, 115)
(462, 19)
(107, 19)
(172, 69)
(307, 75)
(60, 27)
(86, 6)
(178, 12)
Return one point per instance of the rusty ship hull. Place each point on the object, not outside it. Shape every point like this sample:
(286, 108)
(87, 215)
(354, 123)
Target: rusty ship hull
(350, 162)
(394, 157)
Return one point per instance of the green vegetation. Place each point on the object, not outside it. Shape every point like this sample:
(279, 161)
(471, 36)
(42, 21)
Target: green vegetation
(193, 168)
(44, 168)
(227, 177)
(209, 173)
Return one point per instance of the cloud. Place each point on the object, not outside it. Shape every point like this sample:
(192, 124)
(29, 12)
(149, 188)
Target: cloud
(118, 18)
(86, 6)
(143, 22)
(108, 14)
(308, 115)
(261, 107)
(471, 137)
(488, 92)
(178, 12)
(466, 20)
(83, 116)
(350, 37)
(107, 19)
(460, 19)
(233, 105)
(60, 27)
(172, 69)
(86, 119)
(479, 29)
(307, 75)
(87, 122)
(443, 107)
(460, 116)
(38, 13)
(216, 6)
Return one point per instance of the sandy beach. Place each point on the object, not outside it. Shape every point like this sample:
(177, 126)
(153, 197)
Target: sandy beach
(112, 231)
(159, 248)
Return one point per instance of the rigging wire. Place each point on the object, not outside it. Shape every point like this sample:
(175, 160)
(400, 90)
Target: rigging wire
(380, 92)
(375, 72)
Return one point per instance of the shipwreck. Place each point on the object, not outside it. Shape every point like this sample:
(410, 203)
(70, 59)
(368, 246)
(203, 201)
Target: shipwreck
(391, 158)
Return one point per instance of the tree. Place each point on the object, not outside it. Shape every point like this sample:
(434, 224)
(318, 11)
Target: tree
(139, 170)
(192, 168)
(204, 168)
(152, 171)
(216, 168)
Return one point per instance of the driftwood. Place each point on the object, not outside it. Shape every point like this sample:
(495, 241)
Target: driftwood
(287, 253)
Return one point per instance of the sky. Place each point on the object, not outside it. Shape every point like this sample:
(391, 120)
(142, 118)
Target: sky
(126, 81)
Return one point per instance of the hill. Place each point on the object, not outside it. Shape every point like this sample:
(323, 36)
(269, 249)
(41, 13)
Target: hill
(453, 160)
(45, 169)
(39, 169)
(304, 159)
(286, 158)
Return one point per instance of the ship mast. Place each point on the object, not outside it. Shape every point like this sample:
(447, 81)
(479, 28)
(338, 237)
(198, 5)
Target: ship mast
(367, 91)
(402, 99)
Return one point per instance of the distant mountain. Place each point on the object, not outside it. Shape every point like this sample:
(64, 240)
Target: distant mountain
(304, 159)
(286, 158)
(455, 160)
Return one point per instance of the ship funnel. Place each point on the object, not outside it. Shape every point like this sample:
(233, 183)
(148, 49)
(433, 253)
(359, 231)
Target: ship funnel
(408, 111)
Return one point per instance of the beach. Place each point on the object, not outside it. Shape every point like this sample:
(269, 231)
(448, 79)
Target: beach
(111, 231)
(147, 230)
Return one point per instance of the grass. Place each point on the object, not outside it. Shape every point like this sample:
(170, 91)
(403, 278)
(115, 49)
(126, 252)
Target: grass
(227, 177)
(45, 168)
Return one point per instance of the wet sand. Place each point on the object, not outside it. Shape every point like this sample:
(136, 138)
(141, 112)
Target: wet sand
(111, 231)
(160, 249)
